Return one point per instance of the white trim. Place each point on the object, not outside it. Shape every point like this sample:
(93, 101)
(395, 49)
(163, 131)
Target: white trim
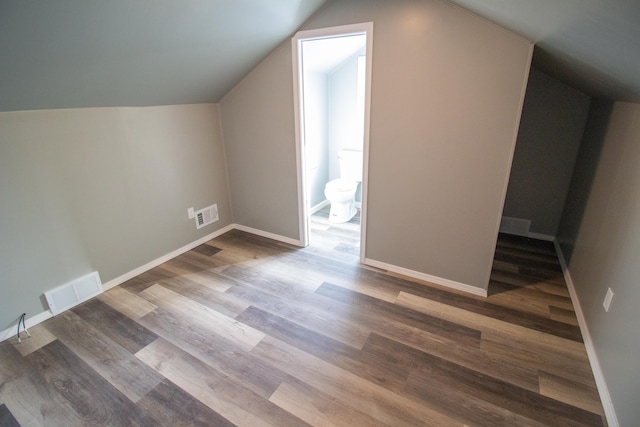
(324, 203)
(298, 113)
(540, 236)
(601, 384)
(319, 206)
(30, 322)
(364, 190)
(156, 262)
(365, 28)
(331, 32)
(427, 277)
(531, 235)
(268, 235)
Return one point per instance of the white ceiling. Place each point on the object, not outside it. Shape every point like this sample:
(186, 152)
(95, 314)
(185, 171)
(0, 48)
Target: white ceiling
(97, 53)
(323, 55)
(593, 45)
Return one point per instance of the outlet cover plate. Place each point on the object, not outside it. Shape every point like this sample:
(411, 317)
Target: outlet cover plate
(608, 299)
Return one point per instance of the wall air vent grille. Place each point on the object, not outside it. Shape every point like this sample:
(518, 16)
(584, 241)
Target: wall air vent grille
(206, 216)
(517, 226)
(73, 293)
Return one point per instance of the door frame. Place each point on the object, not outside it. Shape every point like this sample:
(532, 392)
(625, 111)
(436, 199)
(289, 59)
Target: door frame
(298, 106)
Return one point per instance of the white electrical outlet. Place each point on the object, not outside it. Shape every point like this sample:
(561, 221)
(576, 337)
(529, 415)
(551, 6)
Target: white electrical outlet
(608, 299)
(191, 213)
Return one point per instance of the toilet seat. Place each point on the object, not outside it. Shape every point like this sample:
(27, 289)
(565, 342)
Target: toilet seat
(341, 185)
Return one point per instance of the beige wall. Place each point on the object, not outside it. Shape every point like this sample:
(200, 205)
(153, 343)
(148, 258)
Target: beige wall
(600, 232)
(446, 95)
(553, 121)
(103, 189)
(257, 118)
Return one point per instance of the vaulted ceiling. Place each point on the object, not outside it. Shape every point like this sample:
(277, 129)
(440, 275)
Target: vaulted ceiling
(594, 45)
(96, 53)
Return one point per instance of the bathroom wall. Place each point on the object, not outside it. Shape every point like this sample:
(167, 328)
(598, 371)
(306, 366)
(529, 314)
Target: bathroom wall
(346, 119)
(553, 121)
(345, 124)
(331, 122)
(316, 134)
(447, 92)
(103, 189)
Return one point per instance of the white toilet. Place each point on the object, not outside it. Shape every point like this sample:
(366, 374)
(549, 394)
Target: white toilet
(341, 192)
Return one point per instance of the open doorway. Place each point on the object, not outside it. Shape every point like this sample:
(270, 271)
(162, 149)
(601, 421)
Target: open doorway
(332, 70)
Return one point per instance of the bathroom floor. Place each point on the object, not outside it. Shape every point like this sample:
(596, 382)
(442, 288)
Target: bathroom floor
(344, 238)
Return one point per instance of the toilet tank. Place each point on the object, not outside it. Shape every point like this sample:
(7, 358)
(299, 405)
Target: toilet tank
(350, 164)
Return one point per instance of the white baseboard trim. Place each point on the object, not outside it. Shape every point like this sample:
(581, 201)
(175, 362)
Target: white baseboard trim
(319, 206)
(156, 262)
(532, 235)
(540, 236)
(41, 317)
(268, 235)
(427, 277)
(38, 318)
(601, 384)
(30, 322)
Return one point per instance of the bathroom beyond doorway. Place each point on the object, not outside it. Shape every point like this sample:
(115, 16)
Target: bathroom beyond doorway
(331, 90)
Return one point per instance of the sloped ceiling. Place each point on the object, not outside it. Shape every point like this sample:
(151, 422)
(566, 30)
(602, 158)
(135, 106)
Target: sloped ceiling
(98, 53)
(593, 45)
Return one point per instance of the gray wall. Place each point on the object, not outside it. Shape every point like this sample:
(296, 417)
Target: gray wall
(588, 157)
(103, 189)
(446, 96)
(553, 120)
(602, 234)
(258, 123)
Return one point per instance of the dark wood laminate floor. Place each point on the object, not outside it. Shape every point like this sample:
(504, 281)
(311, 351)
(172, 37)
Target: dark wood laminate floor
(247, 331)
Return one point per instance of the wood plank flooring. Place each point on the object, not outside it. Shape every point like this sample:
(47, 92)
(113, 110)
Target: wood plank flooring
(250, 332)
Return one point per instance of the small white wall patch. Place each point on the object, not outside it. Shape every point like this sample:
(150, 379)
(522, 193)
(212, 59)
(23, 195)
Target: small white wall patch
(608, 299)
